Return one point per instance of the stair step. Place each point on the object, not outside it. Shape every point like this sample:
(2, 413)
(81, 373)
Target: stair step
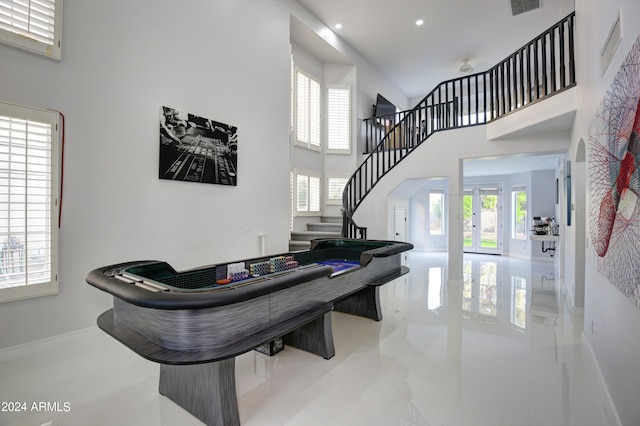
(325, 227)
(299, 245)
(331, 219)
(312, 235)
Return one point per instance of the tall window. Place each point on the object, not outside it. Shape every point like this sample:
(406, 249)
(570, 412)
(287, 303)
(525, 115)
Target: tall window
(32, 25)
(335, 188)
(307, 193)
(519, 212)
(339, 119)
(307, 124)
(436, 212)
(28, 200)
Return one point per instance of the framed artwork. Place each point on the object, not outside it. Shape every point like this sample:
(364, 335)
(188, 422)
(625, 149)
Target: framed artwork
(197, 149)
(614, 184)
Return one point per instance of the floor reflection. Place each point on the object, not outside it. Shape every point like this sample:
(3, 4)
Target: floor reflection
(507, 350)
(495, 290)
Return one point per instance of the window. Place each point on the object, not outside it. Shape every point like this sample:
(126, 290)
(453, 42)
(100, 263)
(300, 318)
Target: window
(335, 188)
(32, 25)
(292, 211)
(307, 125)
(519, 212)
(28, 199)
(307, 190)
(339, 119)
(436, 212)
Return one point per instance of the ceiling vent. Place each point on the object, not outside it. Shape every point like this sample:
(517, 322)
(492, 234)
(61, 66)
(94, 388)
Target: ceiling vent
(522, 6)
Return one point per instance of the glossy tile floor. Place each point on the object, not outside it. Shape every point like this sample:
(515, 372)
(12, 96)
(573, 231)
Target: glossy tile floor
(498, 349)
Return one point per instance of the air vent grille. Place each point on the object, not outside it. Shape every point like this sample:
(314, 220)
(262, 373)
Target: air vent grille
(521, 6)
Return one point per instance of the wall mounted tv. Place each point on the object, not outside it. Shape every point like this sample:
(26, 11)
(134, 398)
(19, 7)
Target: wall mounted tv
(383, 107)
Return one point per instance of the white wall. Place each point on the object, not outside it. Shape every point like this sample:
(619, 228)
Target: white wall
(612, 322)
(228, 61)
(225, 60)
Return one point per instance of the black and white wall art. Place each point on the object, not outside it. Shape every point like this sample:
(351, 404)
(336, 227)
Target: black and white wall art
(197, 149)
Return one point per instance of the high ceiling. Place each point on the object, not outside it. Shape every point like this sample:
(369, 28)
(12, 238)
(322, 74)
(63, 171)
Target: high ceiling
(417, 58)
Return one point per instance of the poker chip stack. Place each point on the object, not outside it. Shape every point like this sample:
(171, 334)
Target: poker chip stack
(239, 275)
(260, 268)
(277, 264)
(237, 272)
(290, 263)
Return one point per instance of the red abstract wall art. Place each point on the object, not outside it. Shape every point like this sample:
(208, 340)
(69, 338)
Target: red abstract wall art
(614, 185)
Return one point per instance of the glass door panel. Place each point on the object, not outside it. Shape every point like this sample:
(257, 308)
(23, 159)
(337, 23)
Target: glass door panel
(489, 219)
(468, 219)
(482, 219)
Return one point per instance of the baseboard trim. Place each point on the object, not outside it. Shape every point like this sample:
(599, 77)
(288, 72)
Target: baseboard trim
(38, 346)
(601, 385)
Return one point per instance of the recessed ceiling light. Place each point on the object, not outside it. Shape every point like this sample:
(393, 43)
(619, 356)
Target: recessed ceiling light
(338, 26)
(419, 22)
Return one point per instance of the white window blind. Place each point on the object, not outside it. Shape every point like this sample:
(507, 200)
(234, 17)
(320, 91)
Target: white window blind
(291, 210)
(307, 192)
(338, 119)
(335, 188)
(314, 194)
(32, 24)
(291, 92)
(28, 233)
(302, 193)
(307, 110)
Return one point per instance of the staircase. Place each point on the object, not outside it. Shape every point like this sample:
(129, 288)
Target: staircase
(542, 68)
(328, 227)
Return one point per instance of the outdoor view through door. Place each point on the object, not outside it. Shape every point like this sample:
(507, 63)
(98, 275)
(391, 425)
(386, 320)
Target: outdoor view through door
(482, 219)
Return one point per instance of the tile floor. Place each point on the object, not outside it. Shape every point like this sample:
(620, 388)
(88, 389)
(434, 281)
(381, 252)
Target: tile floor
(498, 349)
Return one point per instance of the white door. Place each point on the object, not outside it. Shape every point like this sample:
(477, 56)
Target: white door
(400, 224)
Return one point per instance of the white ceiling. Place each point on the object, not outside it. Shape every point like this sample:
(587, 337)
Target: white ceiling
(417, 58)
(512, 164)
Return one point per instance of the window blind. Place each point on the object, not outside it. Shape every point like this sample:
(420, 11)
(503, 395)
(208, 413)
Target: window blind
(29, 18)
(314, 194)
(25, 202)
(335, 188)
(307, 110)
(302, 193)
(338, 118)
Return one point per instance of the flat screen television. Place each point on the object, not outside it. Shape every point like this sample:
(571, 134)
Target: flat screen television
(383, 107)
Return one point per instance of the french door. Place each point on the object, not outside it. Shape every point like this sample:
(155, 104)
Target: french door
(482, 218)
